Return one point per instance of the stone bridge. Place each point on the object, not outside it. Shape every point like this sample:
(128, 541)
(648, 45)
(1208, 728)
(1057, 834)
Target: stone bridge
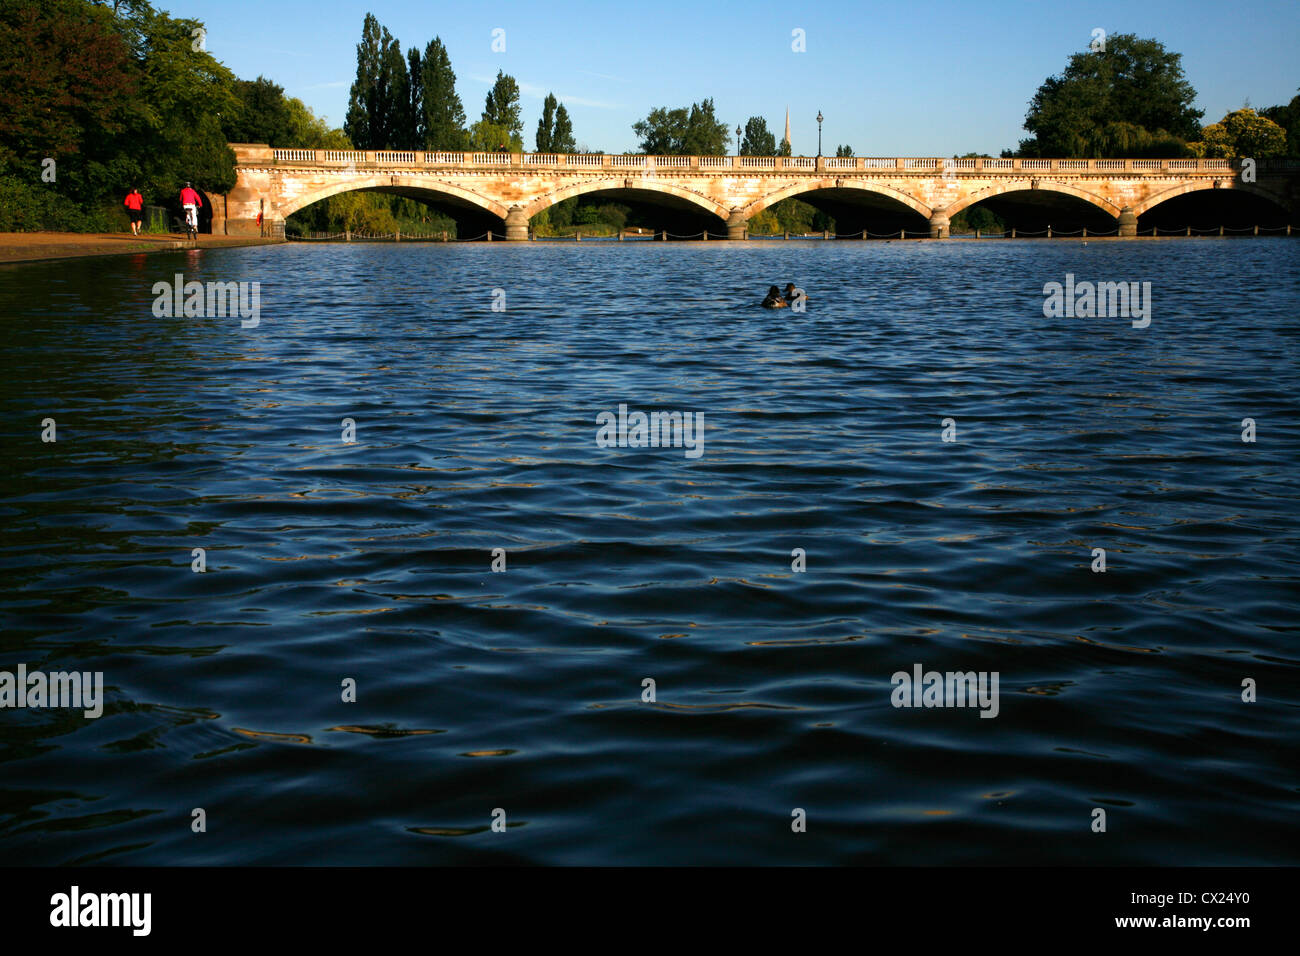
(503, 191)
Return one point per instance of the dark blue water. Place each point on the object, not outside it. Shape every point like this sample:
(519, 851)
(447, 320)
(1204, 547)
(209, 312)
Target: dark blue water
(522, 690)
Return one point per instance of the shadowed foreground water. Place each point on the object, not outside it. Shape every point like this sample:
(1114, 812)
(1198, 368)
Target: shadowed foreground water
(475, 429)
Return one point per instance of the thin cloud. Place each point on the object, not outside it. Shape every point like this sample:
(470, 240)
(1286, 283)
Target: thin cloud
(540, 92)
(604, 76)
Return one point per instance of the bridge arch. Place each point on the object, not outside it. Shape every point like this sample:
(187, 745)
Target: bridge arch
(1044, 186)
(1173, 192)
(393, 183)
(629, 184)
(797, 188)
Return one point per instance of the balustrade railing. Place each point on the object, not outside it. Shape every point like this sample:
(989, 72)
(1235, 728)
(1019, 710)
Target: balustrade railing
(905, 164)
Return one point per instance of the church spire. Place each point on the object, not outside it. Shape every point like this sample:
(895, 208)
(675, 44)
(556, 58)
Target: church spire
(787, 126)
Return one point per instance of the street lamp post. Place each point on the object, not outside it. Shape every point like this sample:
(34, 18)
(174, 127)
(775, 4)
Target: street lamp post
(819, 134)
(737, 139)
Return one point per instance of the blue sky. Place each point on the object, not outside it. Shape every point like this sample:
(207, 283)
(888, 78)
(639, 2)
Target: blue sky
(891, 78)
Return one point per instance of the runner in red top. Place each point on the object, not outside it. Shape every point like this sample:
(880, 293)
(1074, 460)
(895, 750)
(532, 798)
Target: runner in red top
(134, 204)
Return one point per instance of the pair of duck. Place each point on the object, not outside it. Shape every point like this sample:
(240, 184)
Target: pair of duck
(779, 300)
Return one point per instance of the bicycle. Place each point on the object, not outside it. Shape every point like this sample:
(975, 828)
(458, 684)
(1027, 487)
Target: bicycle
(191, 222)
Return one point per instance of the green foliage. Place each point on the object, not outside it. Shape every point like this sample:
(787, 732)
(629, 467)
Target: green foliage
(370, 212)
(1242, 133)
(693, 131)
(415, 98)
(844, 151)
(444, 116)
(502, 105)
(266, 115)
(757, 141)
(35, 207)
(309, 131)
(790, 215)
(1287, 117)
(489, 137)
(66, 81)
(546, 125)
(262, 116)
(380, 115)
(554, 129)
(1130, 100)
(562, 140)
(974, 218)
(116, 101)
(411, 102)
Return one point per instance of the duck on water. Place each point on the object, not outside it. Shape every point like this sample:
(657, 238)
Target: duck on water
(778, 300)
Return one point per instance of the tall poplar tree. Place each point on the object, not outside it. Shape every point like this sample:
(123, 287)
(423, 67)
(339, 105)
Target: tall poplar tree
(415, 107)
(562, 139)
(444, 116)
(366, 96)
(546, 125)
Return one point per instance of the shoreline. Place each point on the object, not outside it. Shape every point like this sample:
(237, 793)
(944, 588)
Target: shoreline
(18, 247)
(24, 247)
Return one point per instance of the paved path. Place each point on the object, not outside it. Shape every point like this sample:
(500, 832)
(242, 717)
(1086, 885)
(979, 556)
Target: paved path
(28, 246)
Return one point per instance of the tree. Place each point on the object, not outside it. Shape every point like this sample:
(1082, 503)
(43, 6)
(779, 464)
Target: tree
(1133, 96)
(116, 100)
(365, 121)
(693, 131)
(705, 134)
(758, 141)
(444, 117)
(67, 82)
(184, 94)
(546, 125)
(554, 129)
(309, 131)
(1242, 133)
(398, 126)
(562, 140)
(843, 150)
(382, 107)
(1287, 117)
(502, 106)
(263, 114)
(415, 103)
(266, 115)
(488, 137)
(663, 131)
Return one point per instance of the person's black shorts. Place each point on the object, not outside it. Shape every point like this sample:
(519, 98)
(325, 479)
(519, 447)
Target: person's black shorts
(136, 215)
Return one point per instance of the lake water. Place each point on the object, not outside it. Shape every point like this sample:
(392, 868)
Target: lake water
(522, 689)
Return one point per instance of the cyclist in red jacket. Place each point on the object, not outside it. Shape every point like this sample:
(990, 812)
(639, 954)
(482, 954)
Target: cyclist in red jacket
(190, 202)
(134, 204)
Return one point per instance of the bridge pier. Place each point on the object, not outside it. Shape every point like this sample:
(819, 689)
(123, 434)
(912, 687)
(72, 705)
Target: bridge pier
(516, 225)
(1128, 223)
(939, 224)
(737, 226)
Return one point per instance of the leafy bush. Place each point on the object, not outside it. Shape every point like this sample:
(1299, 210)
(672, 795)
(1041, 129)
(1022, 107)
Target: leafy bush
(26, 207)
